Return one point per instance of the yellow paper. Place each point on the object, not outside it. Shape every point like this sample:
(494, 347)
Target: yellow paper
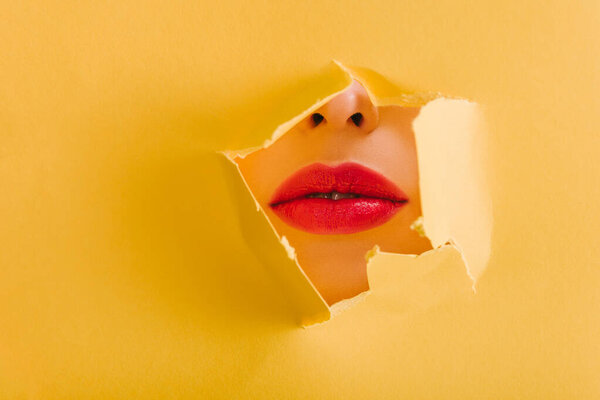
(125, 270)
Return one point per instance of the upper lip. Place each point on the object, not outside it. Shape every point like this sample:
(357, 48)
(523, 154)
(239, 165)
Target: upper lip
(347, 178)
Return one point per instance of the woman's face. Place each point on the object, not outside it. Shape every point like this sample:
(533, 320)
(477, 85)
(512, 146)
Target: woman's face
(338, 183)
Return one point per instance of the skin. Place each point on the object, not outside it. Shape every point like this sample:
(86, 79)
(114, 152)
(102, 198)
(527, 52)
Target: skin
(384, 142)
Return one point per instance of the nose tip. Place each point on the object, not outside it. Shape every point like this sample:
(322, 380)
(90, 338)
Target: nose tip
(351, 109)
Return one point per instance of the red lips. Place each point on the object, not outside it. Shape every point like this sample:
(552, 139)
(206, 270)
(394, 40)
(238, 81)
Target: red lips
(348, 198)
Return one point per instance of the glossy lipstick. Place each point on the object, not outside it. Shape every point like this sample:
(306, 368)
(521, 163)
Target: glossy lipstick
(348, 198)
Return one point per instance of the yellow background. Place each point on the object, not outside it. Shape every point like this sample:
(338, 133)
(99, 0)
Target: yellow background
(123, 269)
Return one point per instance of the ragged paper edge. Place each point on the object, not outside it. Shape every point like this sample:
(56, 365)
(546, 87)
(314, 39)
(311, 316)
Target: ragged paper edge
(376, 251)
(364, 76)
(379, 98)
(416, 283)
(458, 145)
(285, 127)
(307, 318)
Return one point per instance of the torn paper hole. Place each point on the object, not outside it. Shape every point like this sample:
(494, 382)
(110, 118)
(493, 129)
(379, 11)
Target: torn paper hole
(358, 170)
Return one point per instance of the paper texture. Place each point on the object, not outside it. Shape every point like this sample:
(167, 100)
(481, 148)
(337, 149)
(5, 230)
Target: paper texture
(125, 268)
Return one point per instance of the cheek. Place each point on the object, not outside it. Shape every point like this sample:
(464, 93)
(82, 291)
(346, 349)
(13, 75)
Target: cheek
(265, 169)
(394, 155)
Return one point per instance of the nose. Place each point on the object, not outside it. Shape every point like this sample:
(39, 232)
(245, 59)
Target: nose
(351, 109)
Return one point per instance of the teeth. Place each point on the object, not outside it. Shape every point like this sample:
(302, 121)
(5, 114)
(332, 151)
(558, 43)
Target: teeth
(339, 196)
(319, 196)
(333, 196)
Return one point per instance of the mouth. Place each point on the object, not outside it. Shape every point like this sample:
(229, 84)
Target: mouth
(345, 199)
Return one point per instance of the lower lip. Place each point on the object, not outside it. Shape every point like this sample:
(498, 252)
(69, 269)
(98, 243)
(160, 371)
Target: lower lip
(324, 216)
(379, 199)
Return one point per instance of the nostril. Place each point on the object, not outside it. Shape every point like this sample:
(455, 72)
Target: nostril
(317, 119)
(357, 119)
